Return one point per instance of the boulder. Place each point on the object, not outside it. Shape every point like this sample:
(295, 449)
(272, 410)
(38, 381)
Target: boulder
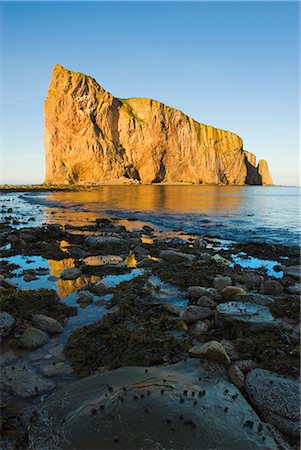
(84, 297)
(71, 273)
(211, 350)
(230, 291)
(192, 314)
(185, 405)
(220, 282)
(33, 338)
(207, 302)
(7, 323)
(220, 260)
(293, 271)
(47, 324)
(22, 380)
(276, 398)
(108, 244)
(199, 329)
(174, 257)
(273, 287)
(251, 279)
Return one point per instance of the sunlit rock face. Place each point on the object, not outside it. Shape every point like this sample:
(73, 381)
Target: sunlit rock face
(93, 137)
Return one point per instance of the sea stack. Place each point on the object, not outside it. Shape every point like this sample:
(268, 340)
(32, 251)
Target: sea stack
(91, 137)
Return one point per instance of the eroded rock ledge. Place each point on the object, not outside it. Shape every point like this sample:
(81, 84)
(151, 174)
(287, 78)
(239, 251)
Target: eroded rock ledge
(93, 137)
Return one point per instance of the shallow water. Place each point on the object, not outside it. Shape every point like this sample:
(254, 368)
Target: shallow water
(239, 213)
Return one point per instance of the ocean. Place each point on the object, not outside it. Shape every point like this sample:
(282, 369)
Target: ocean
(237, 213)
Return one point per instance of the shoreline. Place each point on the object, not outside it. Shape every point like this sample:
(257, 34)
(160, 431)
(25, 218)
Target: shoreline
(79, 187)
(143, 297)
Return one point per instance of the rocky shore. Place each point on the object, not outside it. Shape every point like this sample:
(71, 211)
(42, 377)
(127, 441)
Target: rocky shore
(121, 336)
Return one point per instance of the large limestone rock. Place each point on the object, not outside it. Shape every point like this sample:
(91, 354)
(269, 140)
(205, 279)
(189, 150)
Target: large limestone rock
(93, 137)
(188, 405)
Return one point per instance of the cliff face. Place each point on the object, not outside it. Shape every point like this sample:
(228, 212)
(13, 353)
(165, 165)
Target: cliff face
(93, 137)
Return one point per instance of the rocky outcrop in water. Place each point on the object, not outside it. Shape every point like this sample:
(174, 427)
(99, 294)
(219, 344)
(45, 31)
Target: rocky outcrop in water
(93, 137)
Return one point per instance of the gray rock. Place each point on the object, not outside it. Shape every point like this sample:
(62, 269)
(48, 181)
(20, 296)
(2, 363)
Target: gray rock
(84, 297)
(220, 260)
(207, 302)
(47, 324)
(71, 273)
(276, 398)
(221, 282)
(58, 352)
(251, 279)
(199, 243)
(173, 256)
(192, 314)
(273, 287)
(33, 338)
(196, 292)
(258, 299)
(212, 350)
(248, 314)
(60, 368)
(199, 329)
(108, 244)
(6, 324)
(86, 415)
(236, 376)
(7, 284)
(293, 271)
(294, 289)
(22, 380)
(245, 365)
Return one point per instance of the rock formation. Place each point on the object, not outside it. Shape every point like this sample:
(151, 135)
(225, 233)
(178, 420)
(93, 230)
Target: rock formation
(93, 137)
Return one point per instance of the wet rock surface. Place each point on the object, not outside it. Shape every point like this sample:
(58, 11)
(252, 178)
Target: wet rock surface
(47, 324)
(33, 338)
(6, 324)
(277, 399)
(246, 313)
(23, 380)
(157, 407)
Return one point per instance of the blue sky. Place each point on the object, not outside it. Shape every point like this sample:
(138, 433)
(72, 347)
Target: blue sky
(233, 65)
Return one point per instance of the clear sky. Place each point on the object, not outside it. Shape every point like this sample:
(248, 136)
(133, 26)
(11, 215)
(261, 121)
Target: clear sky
(233, 65)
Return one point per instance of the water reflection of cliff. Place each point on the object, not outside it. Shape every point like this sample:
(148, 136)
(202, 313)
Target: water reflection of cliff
(66, 287)
(89, 204)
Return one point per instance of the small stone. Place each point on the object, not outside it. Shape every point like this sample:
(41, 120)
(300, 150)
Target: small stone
(230, 349)
(192, 314)
(207, 302)
(221, 282)
(293, 271)
(60, 368)
(33, 338)
(211, 350)
(236, 376)
(28, 277)
(199, 329)
(245, 365)
(173, 256)
(199, 243)
(251, 279)
(6, 324)
(220, 260)
(85, 297)
(230, 291)
(47, 324)
(273, 287)
(71, 273)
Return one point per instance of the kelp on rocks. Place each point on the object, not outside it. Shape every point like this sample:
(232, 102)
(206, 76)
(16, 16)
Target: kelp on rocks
(139, 332)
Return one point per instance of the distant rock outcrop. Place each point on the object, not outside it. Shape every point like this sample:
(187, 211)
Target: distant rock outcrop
(93, 137)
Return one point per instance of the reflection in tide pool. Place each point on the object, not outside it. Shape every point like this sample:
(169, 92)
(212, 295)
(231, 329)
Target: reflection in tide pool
(246, 261)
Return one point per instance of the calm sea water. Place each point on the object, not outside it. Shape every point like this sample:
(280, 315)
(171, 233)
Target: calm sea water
(239, 213)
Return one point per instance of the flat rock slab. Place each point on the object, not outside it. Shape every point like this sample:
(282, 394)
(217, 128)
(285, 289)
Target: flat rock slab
(258, 299)
(22, 380)
(71, 273)
(139, 407)
(246, 313)
(293, 271)
(276, 398)
(172, 256)
(108, 244)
